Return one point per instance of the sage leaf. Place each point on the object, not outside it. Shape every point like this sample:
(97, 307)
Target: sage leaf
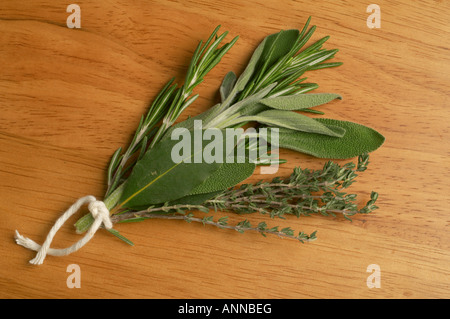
(357, 140)
(156, 178)
(253, 109)
(299, 101)
(250, 69)
(293, 121)
(312, 111)
(189, 123)
(227, 85)
(246, 104)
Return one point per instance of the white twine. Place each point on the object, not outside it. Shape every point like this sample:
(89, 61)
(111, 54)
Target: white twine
(98, 211)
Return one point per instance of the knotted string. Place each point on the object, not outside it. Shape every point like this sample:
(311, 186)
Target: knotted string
(98, 211)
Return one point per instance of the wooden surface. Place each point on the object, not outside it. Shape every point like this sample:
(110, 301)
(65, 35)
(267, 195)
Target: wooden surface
(70, 97)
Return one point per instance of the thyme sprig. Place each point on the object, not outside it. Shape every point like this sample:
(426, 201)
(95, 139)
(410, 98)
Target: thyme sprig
(304, 193)
(222, 223)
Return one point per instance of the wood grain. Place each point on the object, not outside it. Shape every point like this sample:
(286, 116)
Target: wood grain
(70, 97)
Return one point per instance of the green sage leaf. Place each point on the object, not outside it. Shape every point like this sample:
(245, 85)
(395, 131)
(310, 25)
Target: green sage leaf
(246, 105)
(312, 111)
(293, 121)
(189, 123)
(299, 101)
(253, 109)
(227, 85)
(250, 69)
(358, 139)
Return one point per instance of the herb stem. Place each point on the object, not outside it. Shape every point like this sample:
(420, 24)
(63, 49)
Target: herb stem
(239, 227)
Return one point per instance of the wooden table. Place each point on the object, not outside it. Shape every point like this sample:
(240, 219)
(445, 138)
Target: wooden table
(70, 97)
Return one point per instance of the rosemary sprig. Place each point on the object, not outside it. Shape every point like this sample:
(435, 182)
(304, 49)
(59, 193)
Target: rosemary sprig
(205, 58)
(119, 162)
(168, 105)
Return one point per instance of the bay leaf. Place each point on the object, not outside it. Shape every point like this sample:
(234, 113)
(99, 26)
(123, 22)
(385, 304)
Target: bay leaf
(156, 178)
(228, 175)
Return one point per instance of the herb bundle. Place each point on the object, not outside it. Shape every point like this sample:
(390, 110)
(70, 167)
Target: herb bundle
(143, 181)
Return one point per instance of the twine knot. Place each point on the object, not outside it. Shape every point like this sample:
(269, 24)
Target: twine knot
(98, 210)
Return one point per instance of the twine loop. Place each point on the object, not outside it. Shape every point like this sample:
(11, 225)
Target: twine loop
(98, 210)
